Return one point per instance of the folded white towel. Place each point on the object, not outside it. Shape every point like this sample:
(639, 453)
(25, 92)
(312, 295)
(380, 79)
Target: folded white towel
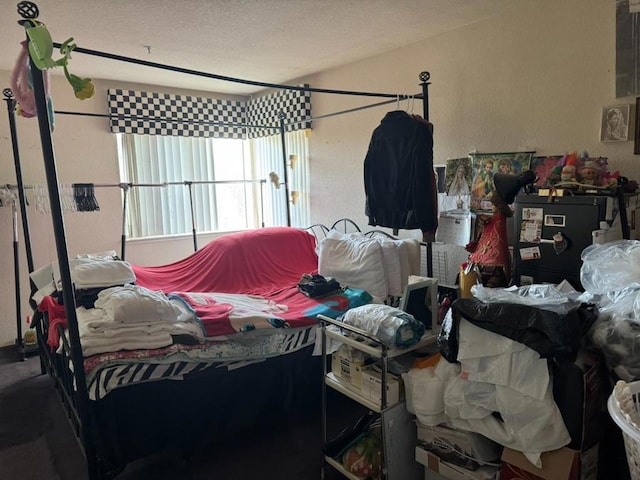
(93, 324)
(100, 272)
(134, 304)
(93, 346)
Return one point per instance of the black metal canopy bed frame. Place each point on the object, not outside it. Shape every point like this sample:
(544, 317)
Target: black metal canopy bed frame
(136, 421)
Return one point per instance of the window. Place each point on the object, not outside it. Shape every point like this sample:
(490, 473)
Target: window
(226, 187)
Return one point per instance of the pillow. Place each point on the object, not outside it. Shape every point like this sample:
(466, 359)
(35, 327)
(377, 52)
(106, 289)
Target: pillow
(354, 261)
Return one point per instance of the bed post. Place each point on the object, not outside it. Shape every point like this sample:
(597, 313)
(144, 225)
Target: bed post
(11, 106)
(281, 117)
(123, 236)
(29, 11)
(424, 83)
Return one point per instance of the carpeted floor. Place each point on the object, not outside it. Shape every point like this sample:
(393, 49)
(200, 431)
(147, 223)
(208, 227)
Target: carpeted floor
(37, 442)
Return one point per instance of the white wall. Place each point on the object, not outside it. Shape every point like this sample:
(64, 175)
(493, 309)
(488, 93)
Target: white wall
(534, 78)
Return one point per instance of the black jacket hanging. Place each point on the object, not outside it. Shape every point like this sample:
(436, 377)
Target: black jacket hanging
(398, 174)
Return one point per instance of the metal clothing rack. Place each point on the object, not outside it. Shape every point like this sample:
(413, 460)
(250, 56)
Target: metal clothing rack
(126, 186)
(74, 391)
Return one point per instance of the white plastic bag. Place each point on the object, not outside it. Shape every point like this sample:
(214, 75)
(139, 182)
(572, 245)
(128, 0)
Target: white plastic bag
(611, 266)
(559, 299)
(424, 391)
(392, 326)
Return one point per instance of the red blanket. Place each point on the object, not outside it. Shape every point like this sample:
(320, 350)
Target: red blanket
(268, 262)
(258, 262)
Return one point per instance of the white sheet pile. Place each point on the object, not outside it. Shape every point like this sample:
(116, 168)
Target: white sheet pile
(495, 374)
(379, 265)
(126, 316)
(87, 271)
(131, 318)
(99, 272)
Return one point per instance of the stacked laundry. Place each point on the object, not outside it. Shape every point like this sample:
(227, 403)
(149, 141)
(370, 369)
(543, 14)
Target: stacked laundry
(130, 317)
(113, 314)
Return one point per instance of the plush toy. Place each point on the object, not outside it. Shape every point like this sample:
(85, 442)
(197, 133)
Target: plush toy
(590, 173)
(41, 51)
(22, 87)
(569, 170)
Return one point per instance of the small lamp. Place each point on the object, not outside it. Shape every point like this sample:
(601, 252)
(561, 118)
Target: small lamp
(294, 196)
(293, 159)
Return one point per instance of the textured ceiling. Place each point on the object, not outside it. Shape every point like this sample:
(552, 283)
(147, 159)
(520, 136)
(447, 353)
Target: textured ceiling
(271, 41)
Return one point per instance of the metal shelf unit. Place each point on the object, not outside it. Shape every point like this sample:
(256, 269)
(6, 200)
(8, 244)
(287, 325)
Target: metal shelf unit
(398, 425)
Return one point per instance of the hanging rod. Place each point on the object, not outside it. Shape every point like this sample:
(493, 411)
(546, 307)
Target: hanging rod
(214, 76)
(167, 120)
(162, 184)
(356, 109)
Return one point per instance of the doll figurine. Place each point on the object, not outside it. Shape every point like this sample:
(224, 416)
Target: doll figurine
(590, 173)
(491, 252)
(569, 170)
(568, 173)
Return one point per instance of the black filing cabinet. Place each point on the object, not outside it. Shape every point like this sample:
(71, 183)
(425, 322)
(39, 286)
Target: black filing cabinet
(540, 260)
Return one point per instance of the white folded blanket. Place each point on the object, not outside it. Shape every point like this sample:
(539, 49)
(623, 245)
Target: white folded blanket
(100, 272)
(134, 304)
(96, 345)
(92, 323)
(101, 335)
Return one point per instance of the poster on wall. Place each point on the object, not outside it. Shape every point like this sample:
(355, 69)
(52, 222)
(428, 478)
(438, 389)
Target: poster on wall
(627, 47)
(484, 166)
(458, 175)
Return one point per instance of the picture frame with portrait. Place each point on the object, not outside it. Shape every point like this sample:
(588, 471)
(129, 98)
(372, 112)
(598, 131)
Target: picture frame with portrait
(614, 124)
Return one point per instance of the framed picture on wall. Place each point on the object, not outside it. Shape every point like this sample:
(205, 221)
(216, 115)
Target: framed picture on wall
(614, 126)
(485, 165)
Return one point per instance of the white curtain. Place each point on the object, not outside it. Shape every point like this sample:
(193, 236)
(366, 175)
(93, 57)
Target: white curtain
(157, 211)
(267, 156)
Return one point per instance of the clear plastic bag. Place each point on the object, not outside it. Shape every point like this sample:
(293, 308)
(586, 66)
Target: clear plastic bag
(392, 326)
(617, 332)
(559, 299)
(611, 266)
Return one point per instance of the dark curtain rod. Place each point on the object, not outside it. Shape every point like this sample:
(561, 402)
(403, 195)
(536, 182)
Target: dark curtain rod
(214, 76)
(419, 96)
(166, 120)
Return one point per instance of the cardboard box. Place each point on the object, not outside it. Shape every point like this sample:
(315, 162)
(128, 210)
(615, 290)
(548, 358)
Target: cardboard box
(347, 368)
(435, 464)
(459, 447)
(371, 386)
(561, 464)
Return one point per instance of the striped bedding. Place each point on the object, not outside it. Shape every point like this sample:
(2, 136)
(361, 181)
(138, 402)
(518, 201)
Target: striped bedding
(109, 371)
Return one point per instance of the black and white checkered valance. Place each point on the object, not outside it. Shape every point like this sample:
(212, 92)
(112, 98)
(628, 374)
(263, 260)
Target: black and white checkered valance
(164, 114)
(149, 113)
(295, 104)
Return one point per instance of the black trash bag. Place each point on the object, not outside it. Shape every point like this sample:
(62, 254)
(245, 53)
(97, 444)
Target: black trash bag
(549, 333)
(580, 390)
(447, 340)
(315, 286)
